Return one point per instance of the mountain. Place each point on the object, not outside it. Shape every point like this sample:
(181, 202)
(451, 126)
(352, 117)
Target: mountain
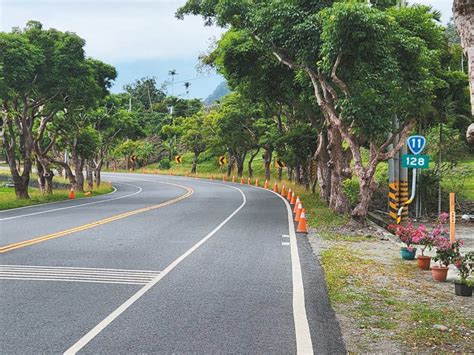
(221, 90)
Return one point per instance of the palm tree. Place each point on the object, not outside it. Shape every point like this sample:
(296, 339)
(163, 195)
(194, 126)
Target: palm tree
(463, 11)
(172, 72)
(187, 85)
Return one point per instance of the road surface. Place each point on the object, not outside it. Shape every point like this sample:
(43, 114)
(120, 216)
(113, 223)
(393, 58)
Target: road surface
(162, 264)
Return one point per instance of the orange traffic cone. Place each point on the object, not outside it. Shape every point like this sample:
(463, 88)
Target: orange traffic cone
(293, 198)
(265, 186)
(72, 194)
(275, 188)
(186, 174)
(249, 181)
(256, 182)
(288, 197)
(242, 180)
(233, 178)
(223, 178)
(298, 212)
(212, 177)
(302, 225)
(296, 204)
(283, 190)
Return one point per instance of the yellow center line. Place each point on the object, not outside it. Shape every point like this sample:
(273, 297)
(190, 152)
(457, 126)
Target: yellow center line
(29, 242)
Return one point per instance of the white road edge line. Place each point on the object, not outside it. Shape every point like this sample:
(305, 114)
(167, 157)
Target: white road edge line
(112, 316)
(304, 344)
(75, 206)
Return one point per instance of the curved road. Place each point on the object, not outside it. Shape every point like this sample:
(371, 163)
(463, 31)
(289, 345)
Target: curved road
(163, 264)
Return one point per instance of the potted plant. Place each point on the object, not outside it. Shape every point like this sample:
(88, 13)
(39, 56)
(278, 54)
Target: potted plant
(426, 241)
(446, 253)
(405, 234)
(465, 265)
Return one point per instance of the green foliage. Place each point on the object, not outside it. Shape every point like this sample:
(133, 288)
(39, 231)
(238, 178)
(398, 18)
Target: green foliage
(351, 189)
(164, 163)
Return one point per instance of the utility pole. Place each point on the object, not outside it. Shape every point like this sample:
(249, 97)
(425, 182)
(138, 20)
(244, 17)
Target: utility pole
(398, 176)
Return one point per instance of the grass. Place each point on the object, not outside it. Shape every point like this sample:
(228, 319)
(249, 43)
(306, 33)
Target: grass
(8, 198)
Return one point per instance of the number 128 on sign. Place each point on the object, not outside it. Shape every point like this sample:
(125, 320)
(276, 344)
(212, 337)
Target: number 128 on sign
(415, 161)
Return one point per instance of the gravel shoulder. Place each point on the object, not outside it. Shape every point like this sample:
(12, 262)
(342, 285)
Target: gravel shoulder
(387, 305)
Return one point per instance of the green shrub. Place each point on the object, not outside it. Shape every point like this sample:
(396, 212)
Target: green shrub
(165, 163)
(351, 189)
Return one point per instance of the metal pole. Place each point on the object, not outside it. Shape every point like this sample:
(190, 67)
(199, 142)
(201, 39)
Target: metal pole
(410, 200)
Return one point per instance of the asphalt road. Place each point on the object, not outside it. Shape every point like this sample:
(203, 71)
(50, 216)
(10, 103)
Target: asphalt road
(162, 265)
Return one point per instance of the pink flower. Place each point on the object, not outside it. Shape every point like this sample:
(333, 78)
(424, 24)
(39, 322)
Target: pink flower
(443, 217)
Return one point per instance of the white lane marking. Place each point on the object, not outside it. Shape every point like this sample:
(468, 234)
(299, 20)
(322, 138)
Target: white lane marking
(285, 236)
(122, 308)
(45, 273)
(114, 190)
(76, 206)
(74, 268)
(69, 280)
(285, 243)
(304, 344)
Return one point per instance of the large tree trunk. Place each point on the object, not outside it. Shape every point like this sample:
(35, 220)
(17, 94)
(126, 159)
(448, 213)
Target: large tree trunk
(252, 157)
(90, 176)
(338, 200)
(21, 181)
(239, 160)
(195, 160)
(230, 165)
(69, 175)
(323, 170)
(463, 11)
(267, 158)
(366, 191)
(78, 171)
(41, 179)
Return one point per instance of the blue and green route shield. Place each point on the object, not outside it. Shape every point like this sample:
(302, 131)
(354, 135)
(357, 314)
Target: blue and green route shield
(415, 161)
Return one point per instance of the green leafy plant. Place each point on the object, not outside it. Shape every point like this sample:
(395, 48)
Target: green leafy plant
(465, 265)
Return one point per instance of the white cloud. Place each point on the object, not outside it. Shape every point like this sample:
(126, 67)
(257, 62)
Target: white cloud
(117, 31)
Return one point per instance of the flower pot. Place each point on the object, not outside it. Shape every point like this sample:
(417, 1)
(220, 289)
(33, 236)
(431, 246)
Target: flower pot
(462, 289)
(407, 254)
(439, 273)
(423, 262)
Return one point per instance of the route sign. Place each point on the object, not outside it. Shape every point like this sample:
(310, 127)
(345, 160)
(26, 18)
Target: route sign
(415, 161)
(222, 160)
(416, 144)
(280, 163)
(178, 159)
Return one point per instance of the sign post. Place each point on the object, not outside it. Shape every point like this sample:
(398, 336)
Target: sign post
(452, 217)
(416, 144)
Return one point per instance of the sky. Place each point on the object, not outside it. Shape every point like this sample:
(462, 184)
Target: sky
(139, 37)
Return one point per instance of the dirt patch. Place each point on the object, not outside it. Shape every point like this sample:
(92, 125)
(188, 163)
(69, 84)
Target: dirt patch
(385, 304)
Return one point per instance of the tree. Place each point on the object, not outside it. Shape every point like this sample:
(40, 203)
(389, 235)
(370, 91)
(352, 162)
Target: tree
(463, 11)
(233, 123)
(41, 69)
(366, 64)
(194, 136)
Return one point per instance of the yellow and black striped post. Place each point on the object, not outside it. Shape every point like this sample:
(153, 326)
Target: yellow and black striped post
(393, 199)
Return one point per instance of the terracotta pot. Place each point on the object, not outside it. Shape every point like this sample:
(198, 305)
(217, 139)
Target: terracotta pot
(439, 273)
(423, 262)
